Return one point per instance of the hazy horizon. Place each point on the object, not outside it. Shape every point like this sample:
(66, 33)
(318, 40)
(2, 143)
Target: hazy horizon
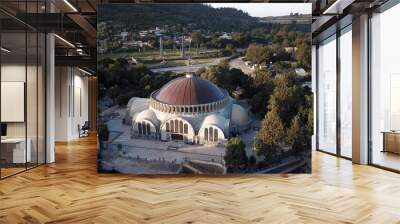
(267, 9)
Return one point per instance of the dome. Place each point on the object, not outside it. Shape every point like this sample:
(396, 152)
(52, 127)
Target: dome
(217, 120)
(137, 105)
(239, 115)
(189, 90)
(148, 115)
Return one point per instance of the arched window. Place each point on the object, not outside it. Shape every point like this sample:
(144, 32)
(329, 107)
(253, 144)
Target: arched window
(215, 135)
(144, 128)
(148, 129)
(206, 134)
(167, 127)
(176, 126)
(171, 122)
(185, 129)
(180, 127)
(139, 128)
(210, 133)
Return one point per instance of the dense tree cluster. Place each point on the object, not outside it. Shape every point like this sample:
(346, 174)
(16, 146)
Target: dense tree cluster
(288, 120)
(258, 54)
(282, 102)
(224, 76)
(121, 81)
(176, 16)
(303, 55)
(235, 155)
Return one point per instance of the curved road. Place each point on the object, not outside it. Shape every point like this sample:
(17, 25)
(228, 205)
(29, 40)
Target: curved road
(239, 64)
(183, 69)
(234, 63)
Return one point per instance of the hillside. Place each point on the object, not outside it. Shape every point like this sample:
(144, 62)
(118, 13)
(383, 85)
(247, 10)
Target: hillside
(197, 16)
(289, 19)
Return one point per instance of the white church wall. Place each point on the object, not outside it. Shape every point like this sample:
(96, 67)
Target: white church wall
(204, 140)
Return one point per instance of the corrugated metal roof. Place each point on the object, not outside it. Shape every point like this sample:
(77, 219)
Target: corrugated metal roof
(189, 90)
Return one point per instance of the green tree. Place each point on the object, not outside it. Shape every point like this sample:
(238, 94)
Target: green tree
(168, 43)
(288, 99)
(309, 115)
(103, 133)
(212, 74)
(293, 131)
(270, 153)
(298, 137)
(264, 79)
(235, 155)
(272, 130)
(239, 39)
(197, 40)
(257, 53)
(224, 65)
(113, 93)
(259, 103)
(252, 160)
(303, 55)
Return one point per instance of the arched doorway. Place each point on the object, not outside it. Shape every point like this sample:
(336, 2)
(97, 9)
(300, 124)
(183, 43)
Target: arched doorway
(178, 130)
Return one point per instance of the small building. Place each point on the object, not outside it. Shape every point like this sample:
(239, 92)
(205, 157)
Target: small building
(300, 72)
(143, 33)
(225, 36)
(124, 35)
(290, 50)
(238, 92)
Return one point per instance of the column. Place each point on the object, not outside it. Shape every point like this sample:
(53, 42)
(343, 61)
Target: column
(314, 89)
(50, 94)
(360, 90)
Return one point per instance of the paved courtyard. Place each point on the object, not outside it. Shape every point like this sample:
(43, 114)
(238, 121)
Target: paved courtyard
(139, 149)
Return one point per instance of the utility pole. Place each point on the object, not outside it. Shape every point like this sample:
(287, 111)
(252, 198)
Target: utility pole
(190, 55)
(161, 48)
(190, 44)
(182, 48)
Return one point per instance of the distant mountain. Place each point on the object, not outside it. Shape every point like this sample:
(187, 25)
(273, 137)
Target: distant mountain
(198, 16)
(289, 19)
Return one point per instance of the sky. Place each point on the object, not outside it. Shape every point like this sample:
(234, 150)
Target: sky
(267, 9)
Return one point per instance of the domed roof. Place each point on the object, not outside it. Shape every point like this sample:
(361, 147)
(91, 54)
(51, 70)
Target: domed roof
(189, 90)
(147, 115)
(136, 105)
(239, 115)
(217, 120)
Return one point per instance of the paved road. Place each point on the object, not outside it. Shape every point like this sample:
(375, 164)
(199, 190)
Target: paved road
(239, 64)
(234, 63)
(183, 69)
